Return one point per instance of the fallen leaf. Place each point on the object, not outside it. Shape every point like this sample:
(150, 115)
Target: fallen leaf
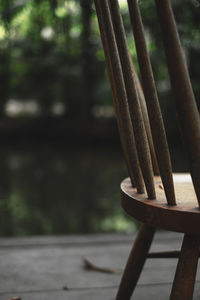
(90, 266)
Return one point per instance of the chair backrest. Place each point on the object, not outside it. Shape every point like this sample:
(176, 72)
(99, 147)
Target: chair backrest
(138, 111)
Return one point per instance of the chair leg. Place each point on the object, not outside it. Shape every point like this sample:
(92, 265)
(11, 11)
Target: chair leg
(135, 262)
(183, 285)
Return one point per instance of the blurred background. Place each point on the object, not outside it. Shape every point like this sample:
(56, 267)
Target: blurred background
(60, 156)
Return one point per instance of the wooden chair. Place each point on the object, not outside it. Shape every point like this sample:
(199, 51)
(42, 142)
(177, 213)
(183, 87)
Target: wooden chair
(166, 201)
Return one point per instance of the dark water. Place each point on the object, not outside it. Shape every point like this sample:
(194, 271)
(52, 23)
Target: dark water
(58, 189)
(49, 189)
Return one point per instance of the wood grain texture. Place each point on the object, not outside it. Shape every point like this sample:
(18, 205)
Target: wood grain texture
(119, 93)
(151, 97)
(186, 106)
(183, 285)
(136, 115)
(38, 268)
(135, 262)
(146, 119)
(184, 217)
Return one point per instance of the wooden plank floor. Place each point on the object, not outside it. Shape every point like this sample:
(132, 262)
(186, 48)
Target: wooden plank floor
(52, 268)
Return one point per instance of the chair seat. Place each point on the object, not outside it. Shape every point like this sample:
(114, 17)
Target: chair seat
(183, 217)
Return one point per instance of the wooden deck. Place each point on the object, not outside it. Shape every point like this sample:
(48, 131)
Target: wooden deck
(42, 268)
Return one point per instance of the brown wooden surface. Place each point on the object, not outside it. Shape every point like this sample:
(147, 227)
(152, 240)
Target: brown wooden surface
(139, 130)
(187, 110)
(119, 93)
(175, 210)
(184, 281)
(135, 262)
(38, 268)
(150, 93)
(184, 217)
(146, 120)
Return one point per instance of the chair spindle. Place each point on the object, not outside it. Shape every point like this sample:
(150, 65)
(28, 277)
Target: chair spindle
(155, 117)
(119, 93)
(181, 85)
(146, 121)
(133, 100)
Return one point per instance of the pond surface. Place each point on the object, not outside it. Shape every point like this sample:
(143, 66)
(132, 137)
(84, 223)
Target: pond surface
(58, 189)
(49, 189)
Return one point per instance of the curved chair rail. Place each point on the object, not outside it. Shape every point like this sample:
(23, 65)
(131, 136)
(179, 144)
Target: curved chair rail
(184, 217)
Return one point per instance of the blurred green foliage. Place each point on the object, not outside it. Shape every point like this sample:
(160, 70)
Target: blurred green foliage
(50, 52)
